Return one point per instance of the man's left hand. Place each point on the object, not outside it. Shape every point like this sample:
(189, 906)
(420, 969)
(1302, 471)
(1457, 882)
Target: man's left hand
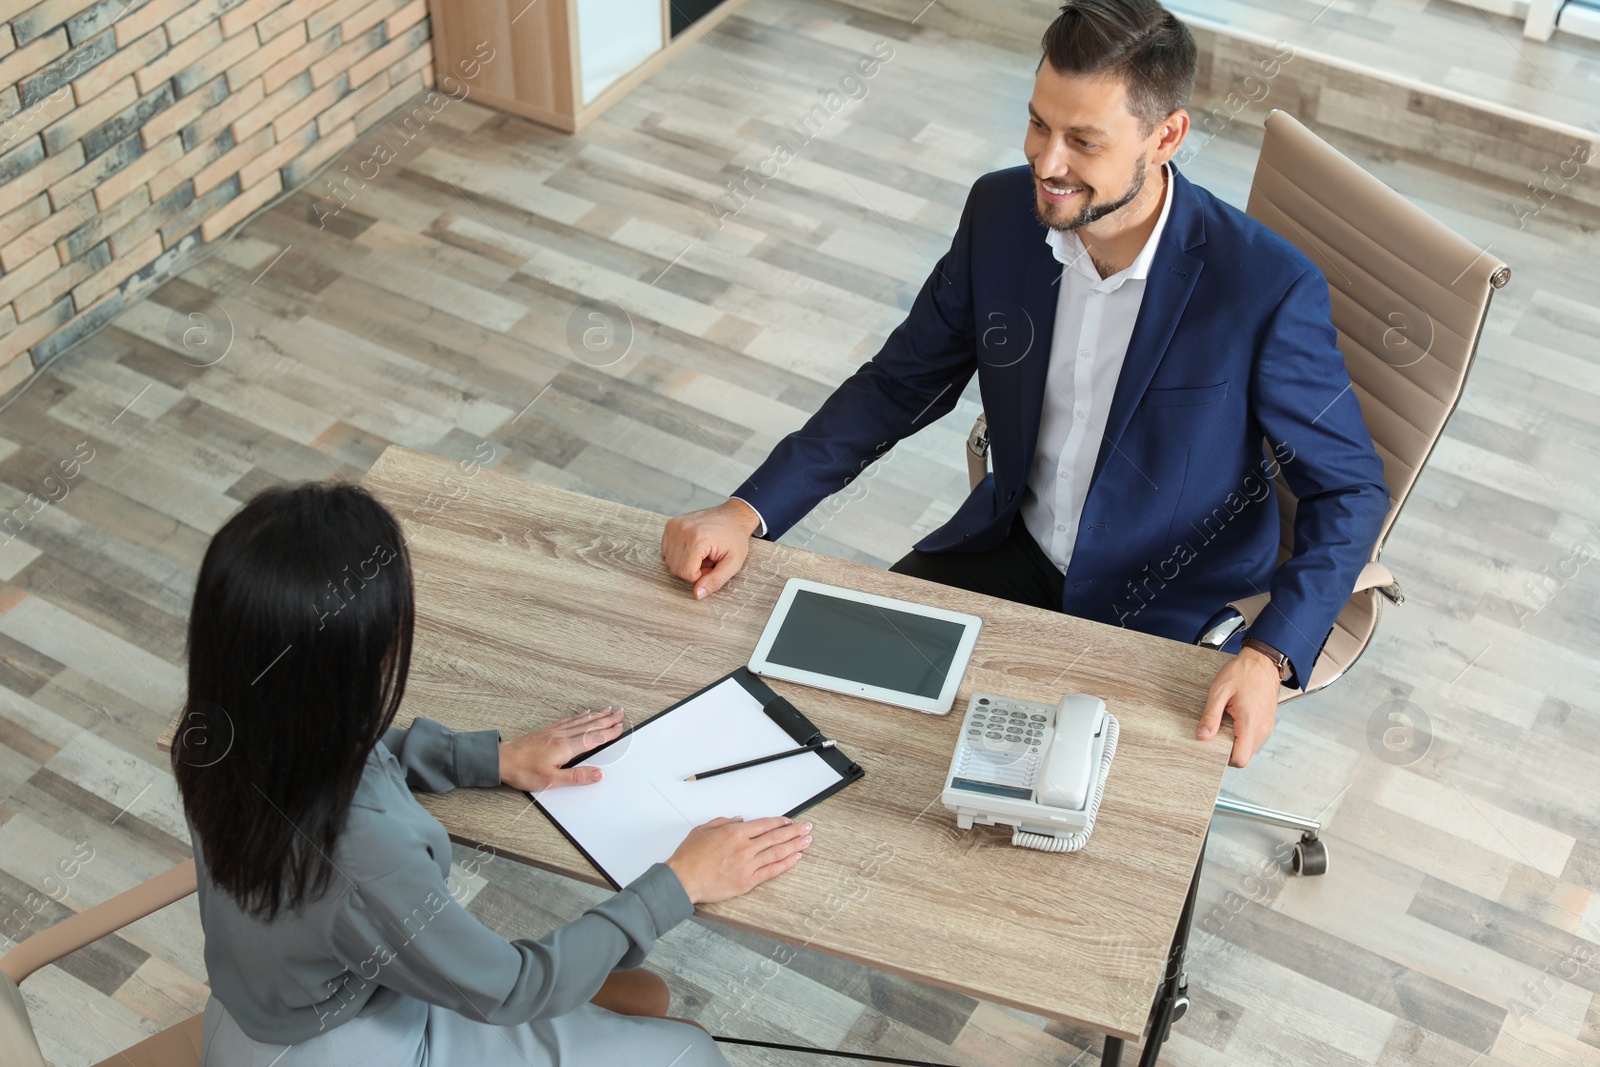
(532, 762)
(1245, 689)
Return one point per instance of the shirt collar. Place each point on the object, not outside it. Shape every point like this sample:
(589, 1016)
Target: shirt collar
(1069, 249)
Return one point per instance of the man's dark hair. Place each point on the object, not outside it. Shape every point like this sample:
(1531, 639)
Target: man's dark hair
(1137, 40)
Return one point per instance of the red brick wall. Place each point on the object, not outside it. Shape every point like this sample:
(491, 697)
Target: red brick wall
(130, 138)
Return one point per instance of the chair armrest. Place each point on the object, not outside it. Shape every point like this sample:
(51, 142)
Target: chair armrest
(1250, 607)
(978, 451)
(104, 918)
(1372, 576)
(1241, 614)
(1376, 576)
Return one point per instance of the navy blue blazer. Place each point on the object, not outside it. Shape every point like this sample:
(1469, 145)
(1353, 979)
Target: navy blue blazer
(1233, 347)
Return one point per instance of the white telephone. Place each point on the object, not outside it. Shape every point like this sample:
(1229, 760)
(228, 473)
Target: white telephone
(1038, 768)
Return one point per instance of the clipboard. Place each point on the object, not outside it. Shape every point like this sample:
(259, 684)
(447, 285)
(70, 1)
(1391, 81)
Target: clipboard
(641, 809)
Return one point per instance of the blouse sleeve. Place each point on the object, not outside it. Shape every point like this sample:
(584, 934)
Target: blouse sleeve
(437, 759)
(406, 932)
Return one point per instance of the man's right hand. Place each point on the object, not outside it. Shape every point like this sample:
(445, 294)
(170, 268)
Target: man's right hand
(708, 547)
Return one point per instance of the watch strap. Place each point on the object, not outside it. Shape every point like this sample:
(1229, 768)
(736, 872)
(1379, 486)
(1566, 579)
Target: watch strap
(1271, 653)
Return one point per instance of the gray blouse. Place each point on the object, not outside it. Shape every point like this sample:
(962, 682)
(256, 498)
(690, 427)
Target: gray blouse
(388, 919)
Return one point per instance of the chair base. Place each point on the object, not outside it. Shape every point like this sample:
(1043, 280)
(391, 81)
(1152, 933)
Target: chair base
(1310, 854)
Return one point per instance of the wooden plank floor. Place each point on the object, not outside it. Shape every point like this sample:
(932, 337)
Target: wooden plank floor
(447, 306)
(1441, 43)
(1438, 42)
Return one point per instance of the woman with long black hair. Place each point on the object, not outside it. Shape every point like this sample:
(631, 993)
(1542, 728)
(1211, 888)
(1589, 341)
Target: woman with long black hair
(331, 935)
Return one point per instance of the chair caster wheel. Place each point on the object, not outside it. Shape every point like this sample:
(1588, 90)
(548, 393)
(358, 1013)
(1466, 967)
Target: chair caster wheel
(1310, 856)
(1180, 1007)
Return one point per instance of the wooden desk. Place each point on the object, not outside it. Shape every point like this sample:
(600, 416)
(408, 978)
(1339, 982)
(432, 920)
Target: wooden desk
(535, 602)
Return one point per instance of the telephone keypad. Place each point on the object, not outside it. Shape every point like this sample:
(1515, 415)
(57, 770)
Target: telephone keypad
(1002, 739)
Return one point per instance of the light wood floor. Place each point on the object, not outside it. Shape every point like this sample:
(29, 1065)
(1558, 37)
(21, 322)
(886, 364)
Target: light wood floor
(1458, 924)
(1438, 42)
(1443, 43)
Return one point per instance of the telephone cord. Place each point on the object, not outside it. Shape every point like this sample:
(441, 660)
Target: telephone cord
(1074, 842)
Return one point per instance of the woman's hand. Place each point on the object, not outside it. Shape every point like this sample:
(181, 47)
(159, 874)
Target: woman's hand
(727, 858)
(532, 762)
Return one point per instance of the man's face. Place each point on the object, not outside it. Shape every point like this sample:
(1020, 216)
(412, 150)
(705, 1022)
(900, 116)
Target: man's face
(1090, 156)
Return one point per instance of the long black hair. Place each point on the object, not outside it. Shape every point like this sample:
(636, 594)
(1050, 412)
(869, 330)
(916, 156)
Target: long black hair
(299, 644)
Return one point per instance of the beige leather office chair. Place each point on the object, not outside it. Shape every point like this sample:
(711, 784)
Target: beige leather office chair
(1409, 297)
(636, 992)
(176, 1046)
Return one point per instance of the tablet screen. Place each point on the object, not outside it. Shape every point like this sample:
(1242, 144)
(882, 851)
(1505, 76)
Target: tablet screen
(867, 644)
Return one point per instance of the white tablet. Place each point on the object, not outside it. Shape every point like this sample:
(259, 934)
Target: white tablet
(909, 655)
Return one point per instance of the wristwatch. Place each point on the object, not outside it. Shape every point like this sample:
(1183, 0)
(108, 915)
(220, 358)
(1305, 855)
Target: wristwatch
(1284, 668)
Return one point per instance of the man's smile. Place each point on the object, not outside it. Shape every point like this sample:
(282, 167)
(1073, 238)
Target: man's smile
(1057, 194)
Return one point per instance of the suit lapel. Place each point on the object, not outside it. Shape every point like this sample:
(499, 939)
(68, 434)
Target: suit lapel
(1040, 295)
(1017, 384)
(1173, 274)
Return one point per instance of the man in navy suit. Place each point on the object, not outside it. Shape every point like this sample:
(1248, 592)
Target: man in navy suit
(1149, 359)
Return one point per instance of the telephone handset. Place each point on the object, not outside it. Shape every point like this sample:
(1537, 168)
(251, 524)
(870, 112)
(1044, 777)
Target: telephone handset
(1038, 768)
(1067, 767)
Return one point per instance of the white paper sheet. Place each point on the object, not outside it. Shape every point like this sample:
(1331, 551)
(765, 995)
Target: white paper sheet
(642, 808)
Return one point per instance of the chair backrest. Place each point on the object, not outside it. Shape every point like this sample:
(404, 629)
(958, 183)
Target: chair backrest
(1409, 295)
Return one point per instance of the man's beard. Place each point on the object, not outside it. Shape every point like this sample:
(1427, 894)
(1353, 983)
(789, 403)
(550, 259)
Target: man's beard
(1091, 211)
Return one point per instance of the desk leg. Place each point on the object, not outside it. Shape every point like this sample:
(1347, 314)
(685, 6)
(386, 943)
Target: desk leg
(1173, 999)
(1111, 1054)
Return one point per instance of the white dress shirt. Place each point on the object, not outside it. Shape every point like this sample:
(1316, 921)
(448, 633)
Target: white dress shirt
(1094, 318)
(1094, 321)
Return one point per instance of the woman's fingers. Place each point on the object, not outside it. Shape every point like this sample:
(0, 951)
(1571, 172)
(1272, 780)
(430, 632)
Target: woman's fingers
(596, 735)
(768, 847)
(782, 843)
(785, 830)
(581, 719)
(754, 828)
(585, 725)
(781, 849)
(772, 870)
(589, 720)
(733, 838)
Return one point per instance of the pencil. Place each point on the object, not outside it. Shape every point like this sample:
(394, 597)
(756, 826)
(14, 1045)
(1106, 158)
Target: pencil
(813, 747)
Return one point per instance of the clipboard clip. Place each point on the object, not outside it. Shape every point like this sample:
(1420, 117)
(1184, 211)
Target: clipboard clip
(792, 722)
